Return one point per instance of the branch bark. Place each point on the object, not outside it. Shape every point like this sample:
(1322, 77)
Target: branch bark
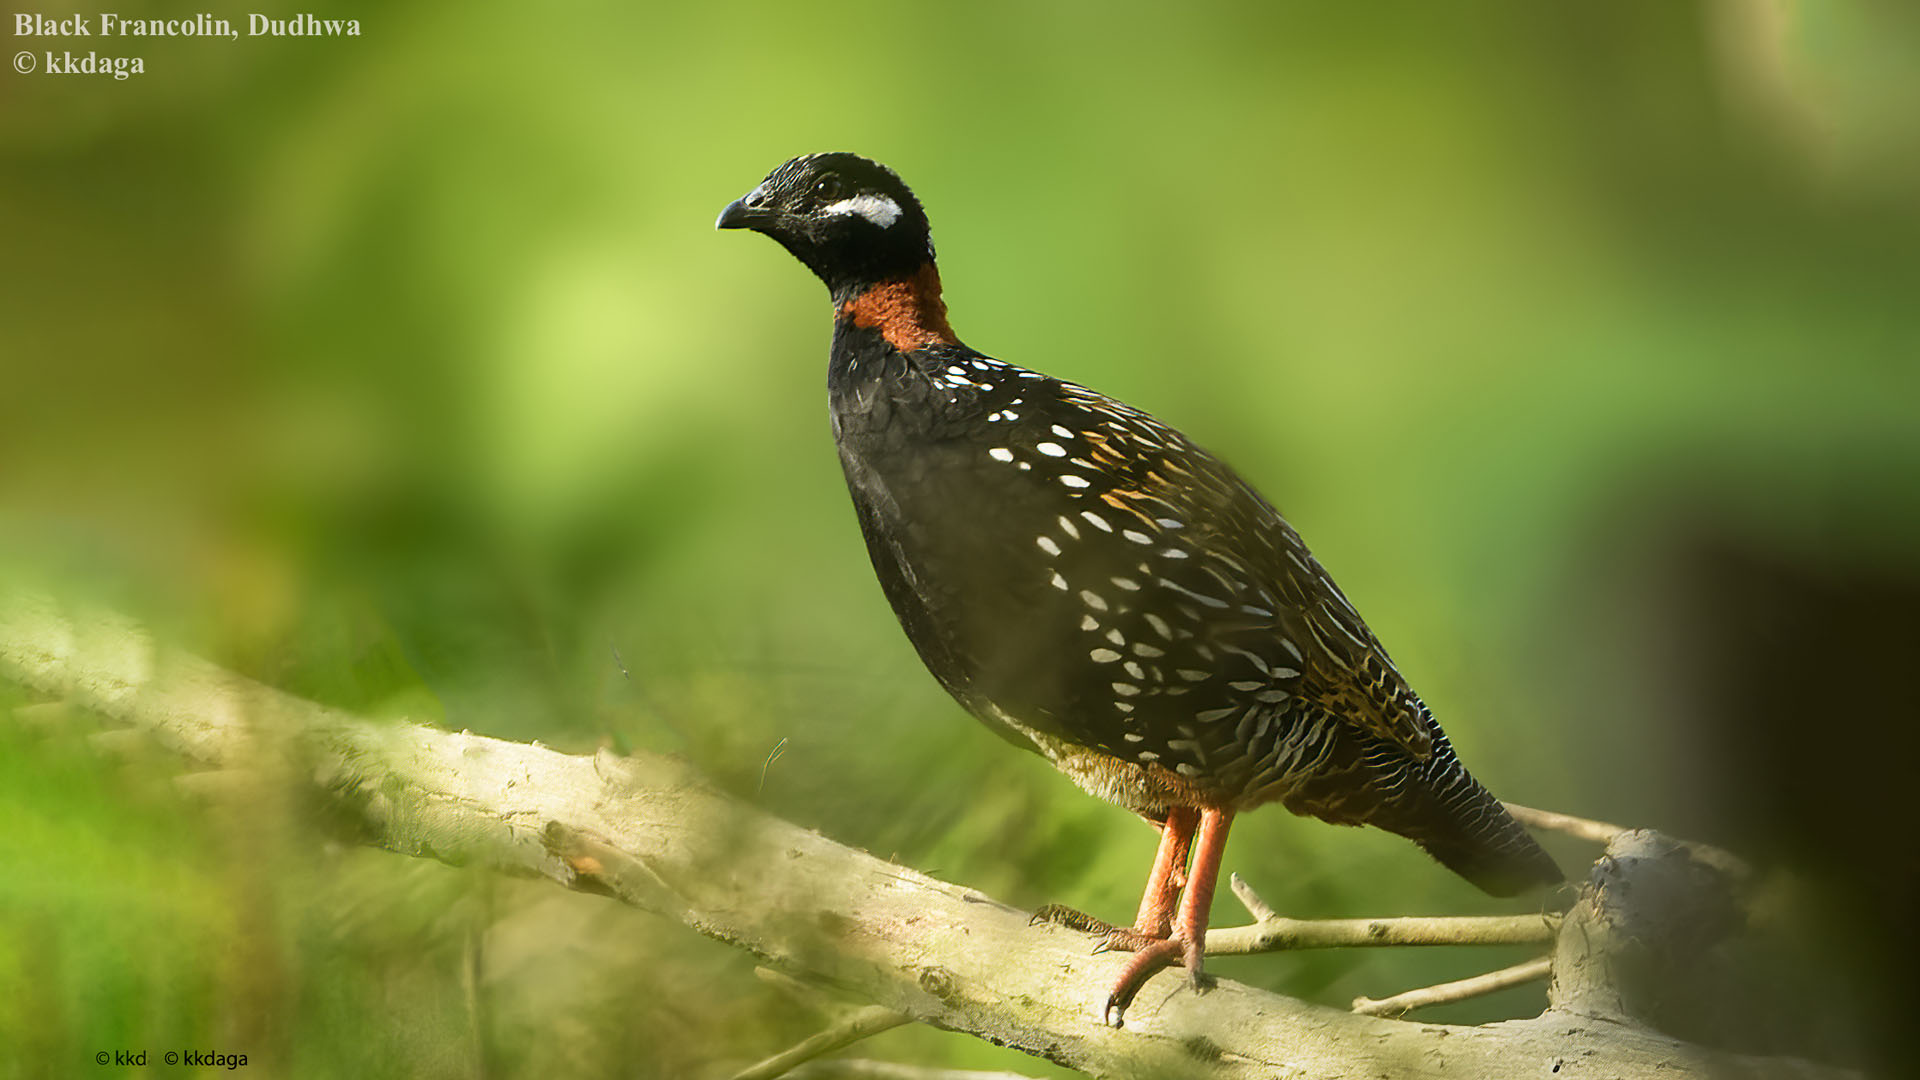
(1273, 932)
(650, 831)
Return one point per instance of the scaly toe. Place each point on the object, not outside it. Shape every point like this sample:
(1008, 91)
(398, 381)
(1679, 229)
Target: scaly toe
(1071, 918)
(1126, 939)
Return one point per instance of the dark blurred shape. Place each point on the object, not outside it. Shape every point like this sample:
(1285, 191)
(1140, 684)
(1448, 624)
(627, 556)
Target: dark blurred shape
(1803, 675)
(1782, 670)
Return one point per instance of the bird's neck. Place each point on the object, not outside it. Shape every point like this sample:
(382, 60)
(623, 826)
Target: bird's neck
(907, 311)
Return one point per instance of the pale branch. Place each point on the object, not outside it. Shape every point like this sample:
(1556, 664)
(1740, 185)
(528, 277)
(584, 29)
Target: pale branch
(1457, 990)
(794, 1061)
(1585, 828)
(125, 743)
(862, 1069)
(652, 832)
(1601, 832)
(863, 1023)
(1273, 932)
(796, 991)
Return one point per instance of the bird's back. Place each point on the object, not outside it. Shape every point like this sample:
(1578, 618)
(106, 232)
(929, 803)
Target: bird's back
(1088, 580)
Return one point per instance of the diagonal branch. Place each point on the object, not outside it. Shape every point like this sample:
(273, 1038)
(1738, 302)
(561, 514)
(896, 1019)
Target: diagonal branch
(864, 1023)
(1458, 990)
(650, 831)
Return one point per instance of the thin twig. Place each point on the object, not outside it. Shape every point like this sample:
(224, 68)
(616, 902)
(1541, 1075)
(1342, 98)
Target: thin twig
(122, 743)
(473, 978)
(802, 994)
(862, 1024)
(1599, 832)
(868, 1069)
(1272, 932)
(1459, 990)
(45, 716)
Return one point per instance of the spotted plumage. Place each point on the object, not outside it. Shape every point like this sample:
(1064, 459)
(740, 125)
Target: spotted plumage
(1096, 587)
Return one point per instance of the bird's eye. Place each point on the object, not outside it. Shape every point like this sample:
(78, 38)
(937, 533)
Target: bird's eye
(828, 188)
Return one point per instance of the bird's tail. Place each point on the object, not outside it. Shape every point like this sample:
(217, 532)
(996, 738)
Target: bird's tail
(1461, 824)
(1437, 804)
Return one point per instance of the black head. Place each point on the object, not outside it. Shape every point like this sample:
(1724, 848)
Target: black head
(850, 220)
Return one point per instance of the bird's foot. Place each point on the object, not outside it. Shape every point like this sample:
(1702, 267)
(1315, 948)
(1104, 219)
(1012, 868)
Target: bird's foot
(1146, 961)
(1112, 938)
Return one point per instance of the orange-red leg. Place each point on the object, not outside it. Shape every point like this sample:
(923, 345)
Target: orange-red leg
(1163, 884)
(1188, 940)
(1158, 902)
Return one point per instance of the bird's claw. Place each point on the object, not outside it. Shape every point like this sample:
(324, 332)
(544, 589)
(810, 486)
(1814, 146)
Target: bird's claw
(1146, 961)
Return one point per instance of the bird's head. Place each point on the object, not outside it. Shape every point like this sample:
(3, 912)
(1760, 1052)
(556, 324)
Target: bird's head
(850, 220)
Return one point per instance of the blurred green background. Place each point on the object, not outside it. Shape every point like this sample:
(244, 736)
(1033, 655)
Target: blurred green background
(406, 372)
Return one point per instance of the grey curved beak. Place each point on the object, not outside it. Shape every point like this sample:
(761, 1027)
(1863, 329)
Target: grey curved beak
(749, 211)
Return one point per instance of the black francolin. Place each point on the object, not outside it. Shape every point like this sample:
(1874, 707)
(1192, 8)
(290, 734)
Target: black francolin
(1097, 588)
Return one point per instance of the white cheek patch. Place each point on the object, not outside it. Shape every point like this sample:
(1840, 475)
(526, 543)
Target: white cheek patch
(878, 209)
